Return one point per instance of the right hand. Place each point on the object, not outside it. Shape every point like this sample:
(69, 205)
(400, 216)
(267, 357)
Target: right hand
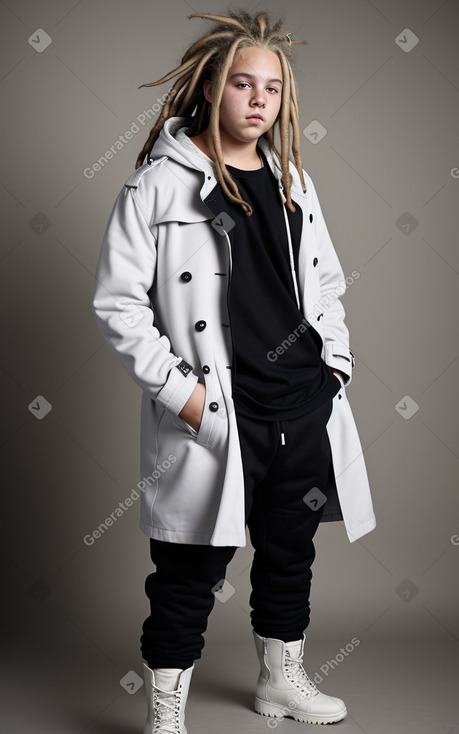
(193, 409)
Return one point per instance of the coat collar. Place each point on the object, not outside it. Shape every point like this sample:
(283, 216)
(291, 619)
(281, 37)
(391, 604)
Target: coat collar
(174, 142)
(188, 164)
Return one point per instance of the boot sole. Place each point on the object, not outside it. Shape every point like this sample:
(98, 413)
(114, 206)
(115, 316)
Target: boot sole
(275, 710)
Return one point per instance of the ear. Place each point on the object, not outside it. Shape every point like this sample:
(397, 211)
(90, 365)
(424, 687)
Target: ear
(207, 90)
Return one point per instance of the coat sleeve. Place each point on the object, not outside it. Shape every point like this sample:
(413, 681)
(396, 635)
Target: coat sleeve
(332, 286)
(123, 311)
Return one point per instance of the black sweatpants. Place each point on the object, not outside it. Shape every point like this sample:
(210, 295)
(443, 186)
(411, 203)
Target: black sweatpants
(286, 465)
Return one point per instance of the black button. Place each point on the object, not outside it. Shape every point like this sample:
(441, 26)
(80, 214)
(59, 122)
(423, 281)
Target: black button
(339, 397)
(186, 276)
(206, 369)
(315, 261)
(213, 407)
(200, 325)
(320, 316)
(311, 217)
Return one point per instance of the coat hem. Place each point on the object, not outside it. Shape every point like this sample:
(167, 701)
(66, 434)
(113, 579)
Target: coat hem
(173, 536)
(357, 532)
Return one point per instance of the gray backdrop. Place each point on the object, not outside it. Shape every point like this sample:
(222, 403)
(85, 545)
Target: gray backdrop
(381, 80)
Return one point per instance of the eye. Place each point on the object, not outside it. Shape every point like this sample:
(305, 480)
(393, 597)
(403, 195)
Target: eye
(243, 84)
(272, 89)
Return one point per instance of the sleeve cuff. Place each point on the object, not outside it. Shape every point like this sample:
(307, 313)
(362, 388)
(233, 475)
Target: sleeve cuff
(339, 357)
(338, 375)
(178, 387)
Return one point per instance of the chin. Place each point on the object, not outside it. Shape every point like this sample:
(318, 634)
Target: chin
(252, 134)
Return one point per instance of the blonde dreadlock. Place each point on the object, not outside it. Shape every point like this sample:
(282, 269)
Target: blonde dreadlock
(210, 57)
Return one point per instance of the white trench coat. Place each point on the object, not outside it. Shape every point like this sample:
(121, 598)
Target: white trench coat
(161, 303)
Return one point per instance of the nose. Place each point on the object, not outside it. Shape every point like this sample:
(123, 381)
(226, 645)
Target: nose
(259, 98)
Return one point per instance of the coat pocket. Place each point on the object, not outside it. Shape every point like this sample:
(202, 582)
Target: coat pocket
(184, 426)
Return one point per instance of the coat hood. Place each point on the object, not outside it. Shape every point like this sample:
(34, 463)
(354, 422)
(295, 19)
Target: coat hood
(174, 143)
(176, 163)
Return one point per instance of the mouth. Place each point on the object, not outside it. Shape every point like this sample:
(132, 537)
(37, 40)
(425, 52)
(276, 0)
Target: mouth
(255, 118)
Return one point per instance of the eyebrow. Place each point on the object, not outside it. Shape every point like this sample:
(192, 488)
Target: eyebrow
(251, 76)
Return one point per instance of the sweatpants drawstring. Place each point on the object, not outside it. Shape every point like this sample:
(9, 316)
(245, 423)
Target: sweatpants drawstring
(282, 435)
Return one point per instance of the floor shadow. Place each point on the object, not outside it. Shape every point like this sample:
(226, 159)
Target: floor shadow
(115, 727)
(223, 691)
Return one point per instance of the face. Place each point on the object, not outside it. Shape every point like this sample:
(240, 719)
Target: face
(252, 95)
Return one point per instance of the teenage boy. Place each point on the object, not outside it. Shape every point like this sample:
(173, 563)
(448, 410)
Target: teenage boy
(218, 288)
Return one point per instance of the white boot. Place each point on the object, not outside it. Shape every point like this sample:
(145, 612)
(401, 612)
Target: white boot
(284, 689)
(167, 692)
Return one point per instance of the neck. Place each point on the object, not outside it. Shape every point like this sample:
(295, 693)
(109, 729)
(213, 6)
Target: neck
(235, 153)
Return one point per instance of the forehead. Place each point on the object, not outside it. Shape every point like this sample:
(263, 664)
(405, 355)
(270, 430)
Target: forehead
(256, 61)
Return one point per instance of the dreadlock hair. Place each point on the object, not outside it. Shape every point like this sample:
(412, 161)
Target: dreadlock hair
(210, 57)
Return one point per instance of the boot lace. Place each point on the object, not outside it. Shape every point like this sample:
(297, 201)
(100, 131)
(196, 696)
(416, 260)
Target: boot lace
(167, 712)
(297, 676)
